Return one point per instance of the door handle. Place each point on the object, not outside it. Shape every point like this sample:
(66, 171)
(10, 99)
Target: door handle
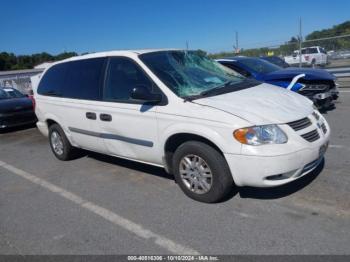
(91, 115)
(105, 117)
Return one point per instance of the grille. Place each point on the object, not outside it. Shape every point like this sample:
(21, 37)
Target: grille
(324, 128)
(316, 116)
(300, 124)
(311, 136)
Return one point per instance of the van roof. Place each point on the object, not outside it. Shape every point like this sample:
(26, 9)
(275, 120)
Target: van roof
(116, 53)
(311, 47)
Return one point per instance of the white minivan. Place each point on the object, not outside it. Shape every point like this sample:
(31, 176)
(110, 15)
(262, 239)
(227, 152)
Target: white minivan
(209, 127)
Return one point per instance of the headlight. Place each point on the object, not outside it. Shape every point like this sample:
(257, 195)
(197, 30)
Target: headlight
(315, 87)
(260, 135)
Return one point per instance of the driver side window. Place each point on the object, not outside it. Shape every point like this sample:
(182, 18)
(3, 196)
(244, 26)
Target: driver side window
(123, 75)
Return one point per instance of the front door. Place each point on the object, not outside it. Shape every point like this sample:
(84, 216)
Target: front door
(128, 127)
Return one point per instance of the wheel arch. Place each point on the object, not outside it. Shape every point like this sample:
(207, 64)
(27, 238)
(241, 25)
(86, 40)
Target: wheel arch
(50, 122)
(52, 119)
(177, 139)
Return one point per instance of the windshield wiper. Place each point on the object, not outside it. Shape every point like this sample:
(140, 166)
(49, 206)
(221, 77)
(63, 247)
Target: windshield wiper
(207, 92)
(215, 89)
(227, 87)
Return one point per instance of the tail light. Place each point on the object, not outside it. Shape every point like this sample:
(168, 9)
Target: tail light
(33, 101)
(307, 58)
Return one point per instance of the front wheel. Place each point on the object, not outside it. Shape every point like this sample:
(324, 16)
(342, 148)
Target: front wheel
(202, 172)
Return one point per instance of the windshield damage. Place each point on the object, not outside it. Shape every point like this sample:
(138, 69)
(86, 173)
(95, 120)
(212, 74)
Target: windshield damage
(190, 74)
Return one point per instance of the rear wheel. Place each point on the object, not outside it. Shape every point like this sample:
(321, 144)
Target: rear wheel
(313, 63)
(202, 172)
(60, 145)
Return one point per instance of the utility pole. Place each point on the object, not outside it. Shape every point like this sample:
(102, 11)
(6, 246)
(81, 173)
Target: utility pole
(187, 45)
(300, 42)
(237, 48)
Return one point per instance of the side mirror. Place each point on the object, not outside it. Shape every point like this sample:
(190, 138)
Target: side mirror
(143, 94)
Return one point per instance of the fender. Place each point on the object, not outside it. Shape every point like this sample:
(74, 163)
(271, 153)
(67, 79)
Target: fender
(205, 132)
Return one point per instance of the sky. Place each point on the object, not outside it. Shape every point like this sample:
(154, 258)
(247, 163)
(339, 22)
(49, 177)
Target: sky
(55, 26)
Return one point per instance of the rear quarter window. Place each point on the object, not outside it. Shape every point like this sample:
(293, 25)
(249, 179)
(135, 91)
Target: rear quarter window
(53, 80)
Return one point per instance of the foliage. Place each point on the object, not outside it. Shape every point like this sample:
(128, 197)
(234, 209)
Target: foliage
(9, 61)
(331, 44)
(293, 44)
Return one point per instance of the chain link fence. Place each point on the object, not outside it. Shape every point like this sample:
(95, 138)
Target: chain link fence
(330, 53)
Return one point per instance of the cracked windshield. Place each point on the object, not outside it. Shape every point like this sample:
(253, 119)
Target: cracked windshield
(189, 73)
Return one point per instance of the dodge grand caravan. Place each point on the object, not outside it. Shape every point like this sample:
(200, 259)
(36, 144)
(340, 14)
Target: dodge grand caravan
(209, 127)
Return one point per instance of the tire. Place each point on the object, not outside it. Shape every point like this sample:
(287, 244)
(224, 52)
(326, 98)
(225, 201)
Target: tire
(67, 152)
(313, 63)
(221, 182)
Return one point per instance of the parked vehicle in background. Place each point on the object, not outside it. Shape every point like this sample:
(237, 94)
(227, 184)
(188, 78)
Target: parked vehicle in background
(16, 109)
(335, 55)
(276, 60)
(316, 84)
(345, 54)
(180, 110)
(310, 56)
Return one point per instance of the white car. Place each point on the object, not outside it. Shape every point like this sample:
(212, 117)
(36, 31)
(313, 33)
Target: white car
(310, 56)
(180, 110)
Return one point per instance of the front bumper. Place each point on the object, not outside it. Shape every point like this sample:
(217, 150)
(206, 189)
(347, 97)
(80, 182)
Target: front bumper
(43, 128)
(260, 171)
(335, 93)
(332, 93)
(275, 165)
(322, 98)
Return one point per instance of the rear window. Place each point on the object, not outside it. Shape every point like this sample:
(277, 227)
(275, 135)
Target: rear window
(310, 50)
(6, 93)
(237, 69)
(259, 66)
(53, 80)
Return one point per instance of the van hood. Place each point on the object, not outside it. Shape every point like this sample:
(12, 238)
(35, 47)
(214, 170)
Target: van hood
(262, 104)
